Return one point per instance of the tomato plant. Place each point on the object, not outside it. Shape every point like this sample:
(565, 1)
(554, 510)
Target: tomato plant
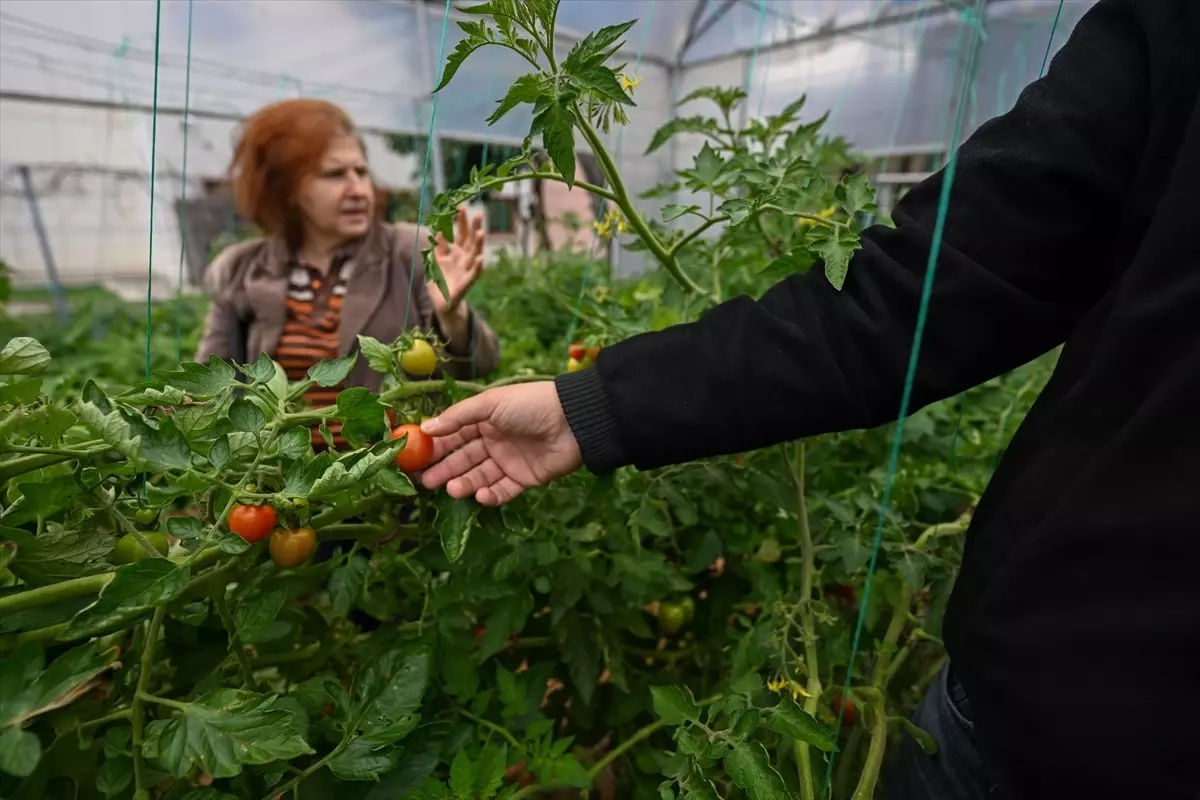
(390, 642)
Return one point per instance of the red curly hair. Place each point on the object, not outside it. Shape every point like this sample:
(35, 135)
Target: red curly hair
(280, 145)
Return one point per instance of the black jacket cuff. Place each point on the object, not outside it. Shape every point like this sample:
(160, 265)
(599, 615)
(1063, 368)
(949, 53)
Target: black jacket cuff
(591, 417)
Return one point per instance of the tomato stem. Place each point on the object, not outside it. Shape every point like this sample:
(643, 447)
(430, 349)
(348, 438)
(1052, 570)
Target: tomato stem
(235, 642)
(808, 626)
(149, 645)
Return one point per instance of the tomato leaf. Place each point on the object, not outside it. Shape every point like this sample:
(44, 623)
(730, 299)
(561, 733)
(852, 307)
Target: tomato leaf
(201, 381)
(23, 356)
(477, 37)
(602, 81)
(578, 638)
(262, 370)
(220, 454)
(20, 752)
(737, 209)
(566, 770)
(526, 89)
(246, 416)
(455, 521)
(707, 167)
(116, 775)
(165, 448)
(134, 589)
(186, 528)
(346, 584)
(750, 768)
(835, 246)
(855, 194)
(726, 98)
(300, 476)
(489, 771)
(789, 719)
(680, 125)
(112, 428)
(596, 48)
(57, 554)
(673, 211)
(331, 373)
(340, 477)
(674, 705)
(27, 690)
(20, 392)
(256, 612)
(555, 122)
(223, 731)
(393, 482)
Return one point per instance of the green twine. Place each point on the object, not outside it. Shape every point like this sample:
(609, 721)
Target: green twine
(910, 377)
(187, 96)
(1050, 41)
(153, 160)
(416, 254)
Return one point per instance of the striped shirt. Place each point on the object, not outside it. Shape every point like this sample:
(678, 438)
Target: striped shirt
(311, 331)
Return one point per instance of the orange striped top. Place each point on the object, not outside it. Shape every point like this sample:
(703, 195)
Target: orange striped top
(311, 330)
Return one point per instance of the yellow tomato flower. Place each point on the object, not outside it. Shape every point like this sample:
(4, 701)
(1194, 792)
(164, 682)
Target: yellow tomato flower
(629, 81)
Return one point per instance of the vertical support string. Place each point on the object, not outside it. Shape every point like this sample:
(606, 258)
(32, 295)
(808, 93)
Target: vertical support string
(183, 230)
(153, 163)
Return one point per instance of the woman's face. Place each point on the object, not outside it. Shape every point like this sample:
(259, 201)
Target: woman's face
(338, 201)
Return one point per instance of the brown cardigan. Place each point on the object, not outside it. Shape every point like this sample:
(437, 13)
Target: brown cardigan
(248, 282)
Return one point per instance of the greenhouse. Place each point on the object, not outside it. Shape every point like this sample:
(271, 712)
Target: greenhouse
(597, 399)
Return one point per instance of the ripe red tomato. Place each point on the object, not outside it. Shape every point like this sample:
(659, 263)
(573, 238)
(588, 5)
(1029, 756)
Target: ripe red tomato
(252, 523)
(418, 450)
(479, 632)
(577, 351)
(850, 713)
(292, 548)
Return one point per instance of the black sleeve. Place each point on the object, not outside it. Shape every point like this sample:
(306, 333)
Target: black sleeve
(1028, 249)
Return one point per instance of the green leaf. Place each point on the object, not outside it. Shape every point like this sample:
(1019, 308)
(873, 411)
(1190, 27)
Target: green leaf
(489, 770)
(300, 476)
(331, 373)
(462, 775)
(526, 89)
(602, 81)
(186, 528)
(566, 770)
(49, 423)
(256, 612)
(223, 731)
(673, 211)
(220, 455)
(394, 483)
(57, 554)
(20, 752)
(165, 448)
(20, 392)
(789, 719)
(363, 416)
(467, 45)
(725, 98)
(455, 521)
(112, 428)
(201, 381)
(346, 584)
(750, 768)
(115, 776)
(27, 690)
(578, 641)
(924, 741)
(707, 166)
(23, 356)
(262, 370)
(134, 589)
(347, 473)
(797, 262)
(596, 47)
(277, 386)
(674, 705)
(379, 356)
(855, 194)
(43, 498)
(680, 125)
(835, 246)
(738, 210)
(555, 121)
(246, 416)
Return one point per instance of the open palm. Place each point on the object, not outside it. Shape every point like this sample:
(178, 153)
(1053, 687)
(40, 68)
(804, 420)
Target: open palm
(461, 263)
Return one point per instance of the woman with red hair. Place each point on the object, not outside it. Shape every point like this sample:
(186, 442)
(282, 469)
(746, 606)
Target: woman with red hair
(327, 270)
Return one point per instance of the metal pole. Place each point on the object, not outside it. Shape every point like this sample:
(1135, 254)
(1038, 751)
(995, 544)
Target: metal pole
(56, 291)
(431, 75)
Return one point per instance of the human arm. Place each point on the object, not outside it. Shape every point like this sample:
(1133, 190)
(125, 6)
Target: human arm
(224, 333)
(1034, 237)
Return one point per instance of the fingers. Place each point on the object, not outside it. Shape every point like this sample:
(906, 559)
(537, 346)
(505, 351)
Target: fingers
(481, 475)
(442, 247)
(454, 465)
(499, 493)
(471, 411)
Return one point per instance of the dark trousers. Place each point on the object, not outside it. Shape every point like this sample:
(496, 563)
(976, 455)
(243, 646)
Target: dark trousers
(956, 771)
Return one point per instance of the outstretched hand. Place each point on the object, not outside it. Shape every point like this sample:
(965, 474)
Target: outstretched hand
(500, 443)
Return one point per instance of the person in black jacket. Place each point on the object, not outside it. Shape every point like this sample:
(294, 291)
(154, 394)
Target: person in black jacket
(1074, 626)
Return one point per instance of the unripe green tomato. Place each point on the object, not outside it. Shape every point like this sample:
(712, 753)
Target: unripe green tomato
(128, 549)
(768, 551)
(671, 617)
(689, 606)
(146, 516)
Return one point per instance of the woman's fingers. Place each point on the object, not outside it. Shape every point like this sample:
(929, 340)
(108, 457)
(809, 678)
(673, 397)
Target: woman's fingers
(499, 493)
(481, 476)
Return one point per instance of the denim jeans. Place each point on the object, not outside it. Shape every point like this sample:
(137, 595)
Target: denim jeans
(956, 771)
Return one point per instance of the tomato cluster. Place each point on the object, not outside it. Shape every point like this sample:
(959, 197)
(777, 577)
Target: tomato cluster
(580, 356)
(674, 615)
(289, 547)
